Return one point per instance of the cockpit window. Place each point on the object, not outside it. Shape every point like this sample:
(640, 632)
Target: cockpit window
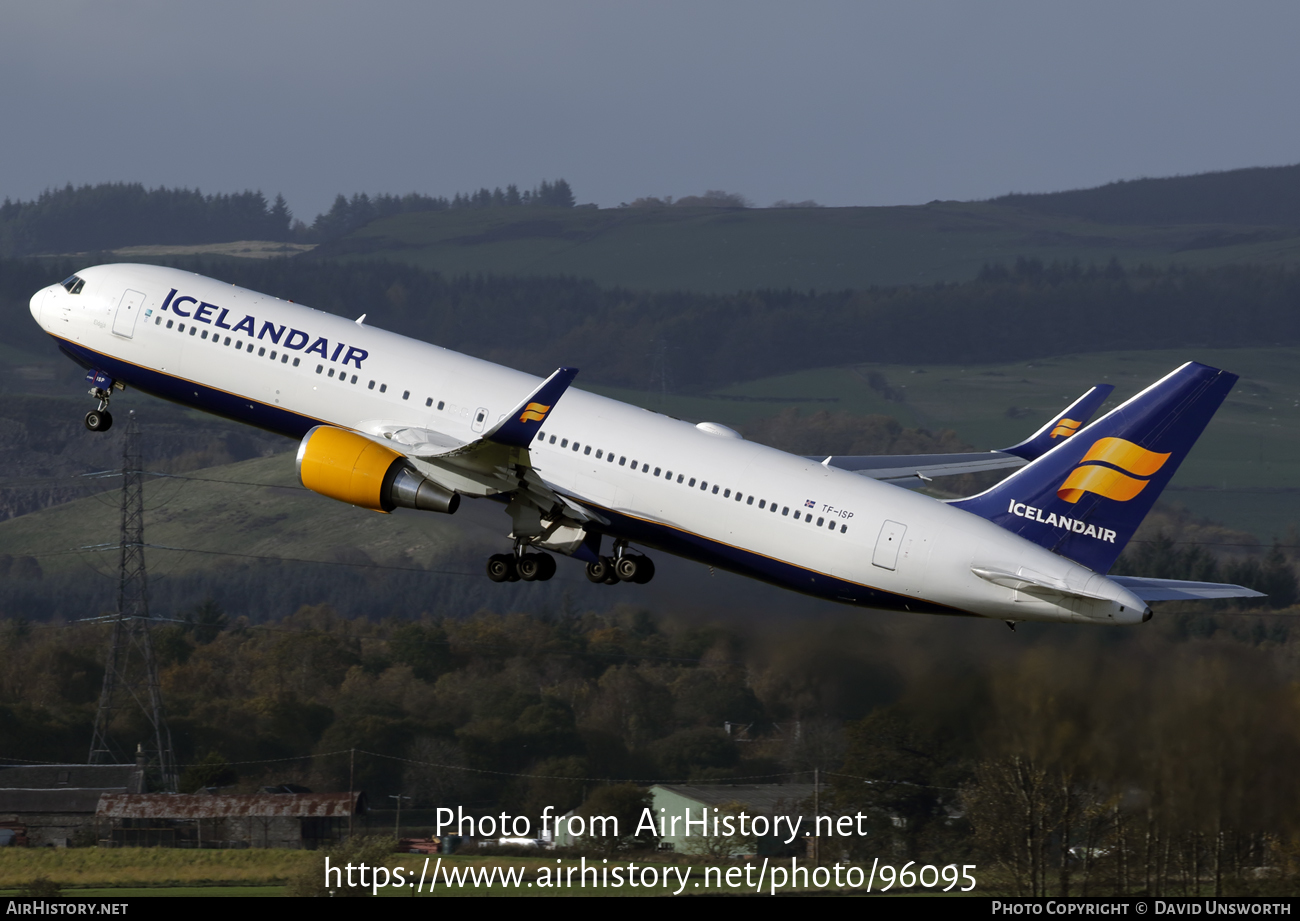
(73, 284)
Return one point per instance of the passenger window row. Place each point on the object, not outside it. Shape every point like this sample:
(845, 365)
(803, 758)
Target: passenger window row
(240, 345)
(283, 356)
(763, 504)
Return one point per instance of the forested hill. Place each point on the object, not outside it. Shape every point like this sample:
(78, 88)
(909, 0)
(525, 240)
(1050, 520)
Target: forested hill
(112, 215)
(1267, 195)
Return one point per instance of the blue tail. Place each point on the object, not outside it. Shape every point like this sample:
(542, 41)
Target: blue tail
(1085, 497)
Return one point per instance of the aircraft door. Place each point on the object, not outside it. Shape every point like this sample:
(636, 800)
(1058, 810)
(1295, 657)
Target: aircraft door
(887, 545)
(128, 308)
(480, 419)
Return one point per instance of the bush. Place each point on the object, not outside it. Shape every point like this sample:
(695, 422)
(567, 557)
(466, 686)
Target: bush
(42, 887)
(372, 850)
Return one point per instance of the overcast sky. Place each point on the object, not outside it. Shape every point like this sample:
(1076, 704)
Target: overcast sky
(859, 103)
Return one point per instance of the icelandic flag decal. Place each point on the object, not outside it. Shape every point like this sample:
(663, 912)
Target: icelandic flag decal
(809, 503)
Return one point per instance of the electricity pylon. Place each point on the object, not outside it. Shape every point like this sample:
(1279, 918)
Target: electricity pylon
(130, 669)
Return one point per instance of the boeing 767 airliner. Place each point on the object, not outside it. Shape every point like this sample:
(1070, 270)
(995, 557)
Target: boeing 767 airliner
(384, 421)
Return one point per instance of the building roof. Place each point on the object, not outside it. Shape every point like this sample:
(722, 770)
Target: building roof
(74, 800)
(121, 778)
(765, 798)
(204, 806)
(63, 788)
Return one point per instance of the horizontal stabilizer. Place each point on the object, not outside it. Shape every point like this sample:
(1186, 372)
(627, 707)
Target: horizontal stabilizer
(1177, 590)
(915, 470)
(519, 427)
(921, 467)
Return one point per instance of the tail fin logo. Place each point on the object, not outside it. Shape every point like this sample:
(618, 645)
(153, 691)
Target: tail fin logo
(534, 412)
(1065, 428)
(1108, 482)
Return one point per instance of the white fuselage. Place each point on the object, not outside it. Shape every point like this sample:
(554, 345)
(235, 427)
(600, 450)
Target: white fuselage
(764, 513)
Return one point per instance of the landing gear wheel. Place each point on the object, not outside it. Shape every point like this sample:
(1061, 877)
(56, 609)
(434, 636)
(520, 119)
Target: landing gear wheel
(645, 570)
(627, 568)
(529, 567)
(535, 567)
(99, 420)
(601, 570)
(501, 568)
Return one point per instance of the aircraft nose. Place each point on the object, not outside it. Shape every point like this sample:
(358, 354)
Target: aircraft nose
(38, 299)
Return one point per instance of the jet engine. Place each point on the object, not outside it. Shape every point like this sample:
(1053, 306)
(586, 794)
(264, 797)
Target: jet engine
(351, 468)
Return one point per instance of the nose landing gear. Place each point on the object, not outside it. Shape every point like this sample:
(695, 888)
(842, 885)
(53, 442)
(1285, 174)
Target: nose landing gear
(100, 419)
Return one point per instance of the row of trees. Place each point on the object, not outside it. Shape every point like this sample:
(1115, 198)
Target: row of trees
(699, 342)
(117, 214)
(1091, 772)
(1057, 760)
(346, 215)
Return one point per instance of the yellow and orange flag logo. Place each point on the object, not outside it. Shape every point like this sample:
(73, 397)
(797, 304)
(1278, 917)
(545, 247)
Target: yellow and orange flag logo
(1065, 428)
(1107, 481)
(534, 412)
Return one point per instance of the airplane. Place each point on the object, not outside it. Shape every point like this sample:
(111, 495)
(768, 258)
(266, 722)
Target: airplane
(384, 421)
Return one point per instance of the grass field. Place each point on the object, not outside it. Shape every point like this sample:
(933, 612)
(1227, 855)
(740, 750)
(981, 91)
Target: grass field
(99, 868)
(710, 250)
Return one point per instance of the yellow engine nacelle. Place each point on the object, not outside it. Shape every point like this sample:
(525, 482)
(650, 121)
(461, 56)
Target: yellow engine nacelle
(351, 468)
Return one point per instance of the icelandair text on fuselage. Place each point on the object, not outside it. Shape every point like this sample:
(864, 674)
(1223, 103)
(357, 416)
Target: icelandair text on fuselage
(295, 340)
(1070, 524)
(1160, 907)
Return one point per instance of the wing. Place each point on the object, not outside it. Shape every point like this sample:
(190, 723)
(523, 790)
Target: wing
(499, 464)
(914, 470)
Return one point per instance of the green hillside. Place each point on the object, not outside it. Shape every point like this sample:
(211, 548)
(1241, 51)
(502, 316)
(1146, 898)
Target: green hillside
(1266, 195)
(719, 250)
(217, 510)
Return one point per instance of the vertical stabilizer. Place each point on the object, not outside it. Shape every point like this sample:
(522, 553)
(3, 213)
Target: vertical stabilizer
(1085, 497)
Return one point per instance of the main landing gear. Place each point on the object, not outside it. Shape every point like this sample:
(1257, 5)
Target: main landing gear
(539, 567)
(530, 567)
(622, 567)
